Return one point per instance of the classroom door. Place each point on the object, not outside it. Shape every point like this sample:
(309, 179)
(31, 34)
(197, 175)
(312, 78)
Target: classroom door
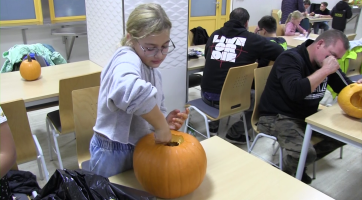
(209, 14)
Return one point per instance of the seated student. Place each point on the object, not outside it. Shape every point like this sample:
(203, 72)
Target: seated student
(323, 12)
(267, 27)
(306, 6)
(246, 48)
(7, 155)
(292, 24)
(340, 13)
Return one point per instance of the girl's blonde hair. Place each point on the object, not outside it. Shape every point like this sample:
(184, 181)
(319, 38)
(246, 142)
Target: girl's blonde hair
(144, 20)
(295, 15)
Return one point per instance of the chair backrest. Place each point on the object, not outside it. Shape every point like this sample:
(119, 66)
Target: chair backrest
(275, 15)
(18, 122)
(235, 93)
(66, 86)
(280, 30)
(85, 115)
(261, 76)
(354, 67)
(351, 36)
(251, 28)
(191, 38)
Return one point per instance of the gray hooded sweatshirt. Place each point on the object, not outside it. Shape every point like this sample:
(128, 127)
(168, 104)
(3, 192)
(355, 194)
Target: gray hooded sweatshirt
(128, 90)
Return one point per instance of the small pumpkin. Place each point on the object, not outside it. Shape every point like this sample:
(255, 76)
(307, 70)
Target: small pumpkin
(170, 170)
(30, 69)
(350, 100)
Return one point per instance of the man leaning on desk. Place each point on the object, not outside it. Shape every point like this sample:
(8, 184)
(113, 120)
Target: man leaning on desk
(321, 12)
(295, 86)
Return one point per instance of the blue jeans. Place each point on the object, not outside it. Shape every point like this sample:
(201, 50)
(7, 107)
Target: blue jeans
(318, 25)
(108, 157)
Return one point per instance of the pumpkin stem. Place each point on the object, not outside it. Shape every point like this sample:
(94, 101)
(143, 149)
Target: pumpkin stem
(29, 59)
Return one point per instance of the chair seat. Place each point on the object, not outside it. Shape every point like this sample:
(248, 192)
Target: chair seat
(55, 120)
(208, 110)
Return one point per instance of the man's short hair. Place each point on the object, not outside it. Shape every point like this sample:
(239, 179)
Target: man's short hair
(240, 14)
(332, 36)
(306, 2)
(325, 4)
(268, 23)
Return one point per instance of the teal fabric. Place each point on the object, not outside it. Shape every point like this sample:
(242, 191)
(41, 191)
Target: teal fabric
(17, 52)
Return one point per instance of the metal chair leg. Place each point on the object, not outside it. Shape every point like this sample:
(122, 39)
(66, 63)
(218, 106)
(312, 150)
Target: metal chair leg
(341, 153)
(57, 149)
(314, 168)
(246, 131)
(49, 141)
(227, 123)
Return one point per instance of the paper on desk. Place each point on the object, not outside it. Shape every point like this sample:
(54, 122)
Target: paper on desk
(302, 38)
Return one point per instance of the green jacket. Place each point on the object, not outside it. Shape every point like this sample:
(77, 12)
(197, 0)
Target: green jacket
(344, 63)
(15, 54)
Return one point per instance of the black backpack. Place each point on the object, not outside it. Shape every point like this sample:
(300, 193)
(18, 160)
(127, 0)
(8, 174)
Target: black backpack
(200, 35)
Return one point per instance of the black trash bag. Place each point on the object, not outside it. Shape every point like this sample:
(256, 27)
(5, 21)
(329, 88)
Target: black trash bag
(84, 185)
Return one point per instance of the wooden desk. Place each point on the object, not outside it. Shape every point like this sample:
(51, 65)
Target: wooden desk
(334, 123)
(292, 42)
(46, 88)
(234, 174)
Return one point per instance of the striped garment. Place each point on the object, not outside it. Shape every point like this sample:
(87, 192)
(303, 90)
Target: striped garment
(288, 6)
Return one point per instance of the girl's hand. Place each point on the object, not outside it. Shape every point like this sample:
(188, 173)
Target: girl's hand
(176, 119)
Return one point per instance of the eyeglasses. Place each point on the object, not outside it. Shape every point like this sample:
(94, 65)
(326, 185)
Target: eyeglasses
(151, 51)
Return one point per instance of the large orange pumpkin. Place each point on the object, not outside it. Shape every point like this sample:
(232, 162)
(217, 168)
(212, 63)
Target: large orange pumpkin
(30, 69)
(170, 170)
(350, 100)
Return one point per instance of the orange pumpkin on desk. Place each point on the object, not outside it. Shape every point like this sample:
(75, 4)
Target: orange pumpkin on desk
(170, 170)
(350, 100)
(30, 69)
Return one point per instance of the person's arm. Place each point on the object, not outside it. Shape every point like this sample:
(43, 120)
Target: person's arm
(156, 118)
(348, 12)
(336, 82)
(289, 73)
(333, 11)
(330, 65)
(289, 29)
(7, 149)
(301, 30)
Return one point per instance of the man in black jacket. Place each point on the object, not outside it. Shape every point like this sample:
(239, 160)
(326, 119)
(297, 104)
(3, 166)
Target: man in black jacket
(340, 13)
(323, 12)
(295, 86)
(231, 46)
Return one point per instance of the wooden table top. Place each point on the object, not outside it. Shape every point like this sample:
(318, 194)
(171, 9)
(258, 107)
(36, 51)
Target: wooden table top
(13, 86)
(319, 19)
(235, 174)
(295, 40)
(334, 120)
(195, 64)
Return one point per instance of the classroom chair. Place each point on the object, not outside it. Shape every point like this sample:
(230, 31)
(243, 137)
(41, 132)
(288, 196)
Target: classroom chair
(234, 98)
(85, 115)
(26, 144)
(61, 121)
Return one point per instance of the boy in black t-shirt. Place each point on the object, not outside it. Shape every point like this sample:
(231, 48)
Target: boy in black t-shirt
(322, 12)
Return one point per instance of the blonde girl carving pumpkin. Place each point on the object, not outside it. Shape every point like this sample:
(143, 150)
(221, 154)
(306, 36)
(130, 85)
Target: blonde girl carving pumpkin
(131, 100)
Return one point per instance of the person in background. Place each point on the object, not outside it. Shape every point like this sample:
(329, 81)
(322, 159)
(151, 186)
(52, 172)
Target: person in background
(292, 24)
(294, 88)
(340, 13)
(288, 6)
(131, 100)
(267, 27)
(322, 12)
(242, 48)
(7, 156)
(307, 7)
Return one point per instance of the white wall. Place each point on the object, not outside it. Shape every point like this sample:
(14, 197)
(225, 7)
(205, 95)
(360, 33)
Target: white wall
(258, 8)
(42, 34)
(104, 23)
